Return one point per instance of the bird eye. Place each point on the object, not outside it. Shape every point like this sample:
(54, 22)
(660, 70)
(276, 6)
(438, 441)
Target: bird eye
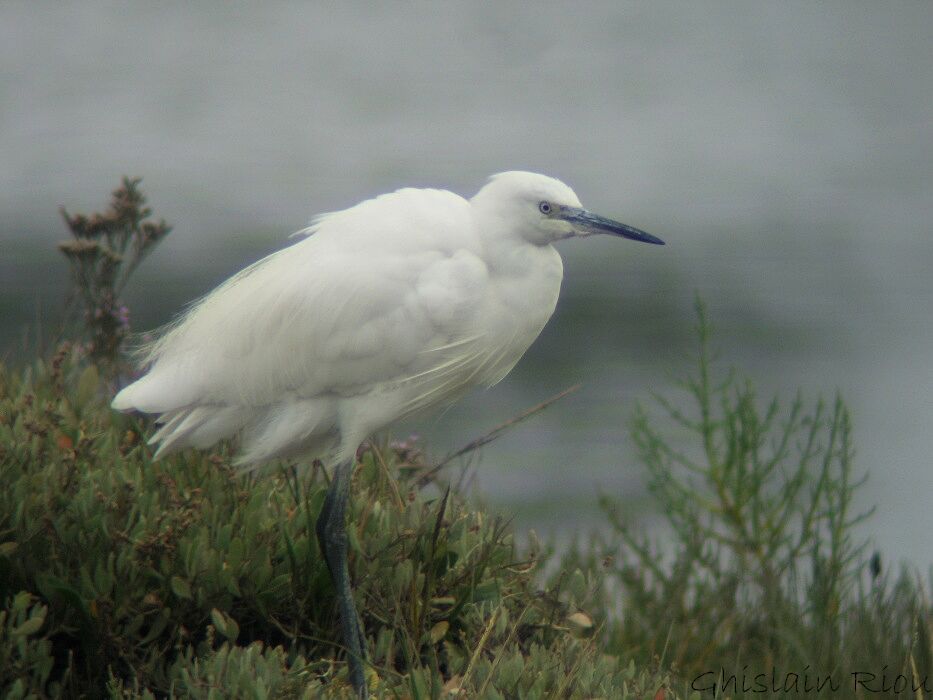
(544, 207)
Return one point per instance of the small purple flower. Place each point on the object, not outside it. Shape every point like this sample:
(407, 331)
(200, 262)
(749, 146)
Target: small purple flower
(123, 316)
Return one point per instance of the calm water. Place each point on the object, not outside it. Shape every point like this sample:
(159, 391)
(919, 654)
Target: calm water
(783, 150)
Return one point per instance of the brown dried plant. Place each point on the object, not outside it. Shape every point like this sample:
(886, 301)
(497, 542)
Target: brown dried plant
(104, 250)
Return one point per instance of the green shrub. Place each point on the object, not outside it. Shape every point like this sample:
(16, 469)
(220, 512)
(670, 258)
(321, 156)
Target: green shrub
(757, 567)
(126, 577)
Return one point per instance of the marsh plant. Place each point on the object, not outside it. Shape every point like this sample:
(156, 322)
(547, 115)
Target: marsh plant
(124, 577)
(759, 572)
(104, 250)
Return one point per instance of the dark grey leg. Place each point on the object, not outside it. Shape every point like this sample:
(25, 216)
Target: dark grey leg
(332, 537)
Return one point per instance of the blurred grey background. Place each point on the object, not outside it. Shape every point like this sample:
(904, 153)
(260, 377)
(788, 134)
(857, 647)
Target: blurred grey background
(783, 150)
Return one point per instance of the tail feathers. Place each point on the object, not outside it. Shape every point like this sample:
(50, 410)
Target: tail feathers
(157, 392)
(306, 427)
(199, 426)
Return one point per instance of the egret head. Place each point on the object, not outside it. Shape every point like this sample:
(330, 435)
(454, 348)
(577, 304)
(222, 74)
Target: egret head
(542, 210)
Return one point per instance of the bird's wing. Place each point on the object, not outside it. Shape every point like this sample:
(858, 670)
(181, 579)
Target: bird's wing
(383, 293)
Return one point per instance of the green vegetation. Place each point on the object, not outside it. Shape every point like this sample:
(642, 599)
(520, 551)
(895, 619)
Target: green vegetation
(182, 578)
(122, 577)
(759, 567)
(125, 577)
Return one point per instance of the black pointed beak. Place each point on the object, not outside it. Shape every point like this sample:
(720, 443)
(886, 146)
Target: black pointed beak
(586, 222)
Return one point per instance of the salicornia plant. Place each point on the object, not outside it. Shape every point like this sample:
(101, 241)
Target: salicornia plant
(758, 564)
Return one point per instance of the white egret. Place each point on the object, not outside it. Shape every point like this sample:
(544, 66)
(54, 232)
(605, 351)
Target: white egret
(398, 304)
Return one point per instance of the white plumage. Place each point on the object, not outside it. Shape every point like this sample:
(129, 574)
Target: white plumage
(397, 304)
